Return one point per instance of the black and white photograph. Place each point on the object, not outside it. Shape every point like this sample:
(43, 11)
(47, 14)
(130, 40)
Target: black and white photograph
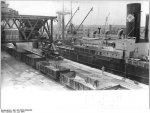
(74, 55)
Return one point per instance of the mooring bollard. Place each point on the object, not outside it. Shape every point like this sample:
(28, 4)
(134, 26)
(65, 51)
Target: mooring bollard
(103, 70)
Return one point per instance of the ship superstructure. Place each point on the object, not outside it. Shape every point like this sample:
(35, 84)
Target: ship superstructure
(127, 57)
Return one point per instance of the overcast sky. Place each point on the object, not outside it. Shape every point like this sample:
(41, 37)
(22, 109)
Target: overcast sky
(101, 9)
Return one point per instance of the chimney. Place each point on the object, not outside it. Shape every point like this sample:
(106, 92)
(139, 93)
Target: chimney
(133, 20)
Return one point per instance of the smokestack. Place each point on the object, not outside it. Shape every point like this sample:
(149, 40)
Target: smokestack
(146, 28)
(133, 21)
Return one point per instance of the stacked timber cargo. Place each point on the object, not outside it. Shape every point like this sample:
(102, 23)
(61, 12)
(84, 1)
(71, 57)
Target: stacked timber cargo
(51, 69)
(32, 59)
(72, 80)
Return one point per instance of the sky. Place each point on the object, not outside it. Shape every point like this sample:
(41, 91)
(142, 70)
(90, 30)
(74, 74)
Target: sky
(116, 9)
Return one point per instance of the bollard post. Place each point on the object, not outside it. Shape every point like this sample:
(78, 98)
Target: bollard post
(103, 69)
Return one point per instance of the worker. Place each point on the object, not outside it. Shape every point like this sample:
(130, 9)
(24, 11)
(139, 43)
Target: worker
(121, 33)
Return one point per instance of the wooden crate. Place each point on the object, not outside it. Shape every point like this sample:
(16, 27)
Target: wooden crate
(32, 59)
(55, 72)
(50, 69)
(90, 80)
(67, 78)
(11, 51)
(4, 47)
(76, 85)
(63, 80)
(52, 72)
(72, 83)
(24, 57)
(20, 54)
(80, 86)
(41, 66)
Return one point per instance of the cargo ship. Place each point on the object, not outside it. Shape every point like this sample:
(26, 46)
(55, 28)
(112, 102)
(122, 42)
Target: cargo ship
(26, 32)
(127, 57)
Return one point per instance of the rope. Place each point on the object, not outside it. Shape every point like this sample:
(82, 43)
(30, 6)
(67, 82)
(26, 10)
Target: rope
(130, 31)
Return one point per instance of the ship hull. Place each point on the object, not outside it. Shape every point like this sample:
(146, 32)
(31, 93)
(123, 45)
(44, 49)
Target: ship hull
(112, 65)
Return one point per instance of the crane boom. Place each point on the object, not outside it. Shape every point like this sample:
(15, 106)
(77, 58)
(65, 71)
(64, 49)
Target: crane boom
(71, 17)
(84, 19)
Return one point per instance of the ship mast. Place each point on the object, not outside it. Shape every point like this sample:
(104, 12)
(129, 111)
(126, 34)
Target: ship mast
(63, 23)
(106, 22)
(71, 16)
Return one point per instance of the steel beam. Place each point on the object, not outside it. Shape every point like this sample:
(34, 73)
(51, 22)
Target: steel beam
(30, 21)
(51, 40)
(32, 30)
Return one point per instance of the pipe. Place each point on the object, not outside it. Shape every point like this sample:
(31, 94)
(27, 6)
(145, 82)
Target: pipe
(146, 28)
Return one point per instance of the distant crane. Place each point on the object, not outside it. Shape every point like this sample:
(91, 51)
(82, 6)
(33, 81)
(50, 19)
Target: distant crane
(106, 22)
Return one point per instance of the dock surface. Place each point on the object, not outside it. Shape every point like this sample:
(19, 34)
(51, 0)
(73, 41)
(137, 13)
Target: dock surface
(23, 87)
(18, 75)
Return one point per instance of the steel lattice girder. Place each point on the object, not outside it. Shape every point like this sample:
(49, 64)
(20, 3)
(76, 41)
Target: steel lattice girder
(29, 25)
